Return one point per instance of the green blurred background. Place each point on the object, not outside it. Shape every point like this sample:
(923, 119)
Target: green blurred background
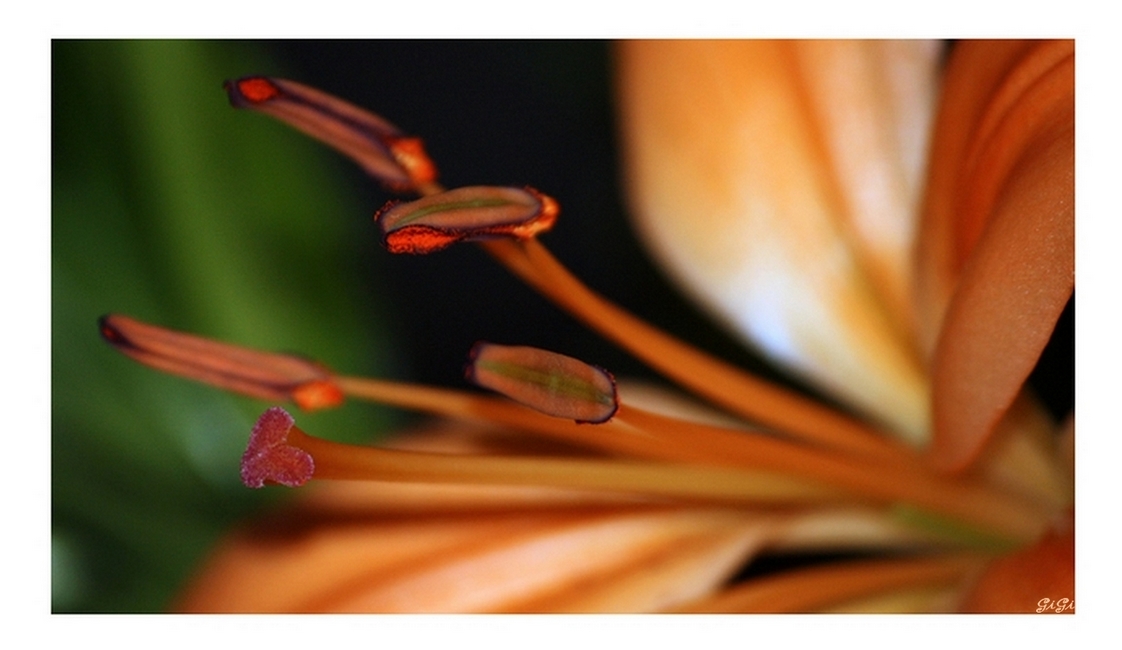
(171, 207)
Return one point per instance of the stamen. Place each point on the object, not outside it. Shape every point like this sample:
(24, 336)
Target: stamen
(635, 434)
(376, 145)
(264, 375)
(554, 384)
(465, 214)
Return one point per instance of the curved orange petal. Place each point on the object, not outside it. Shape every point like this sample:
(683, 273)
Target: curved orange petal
(874, 102)
(1012, 220)
(559, 555)
(732, 176)
(983, 81)
(540, 559)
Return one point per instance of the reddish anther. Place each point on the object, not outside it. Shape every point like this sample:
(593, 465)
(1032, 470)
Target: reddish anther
(378, 146)
(269, 459)
(465, 214)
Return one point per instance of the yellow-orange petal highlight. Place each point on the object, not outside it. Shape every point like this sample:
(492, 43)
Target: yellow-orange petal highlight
(1020, 271)
(873, 103)
(734, 190)
(498, 562)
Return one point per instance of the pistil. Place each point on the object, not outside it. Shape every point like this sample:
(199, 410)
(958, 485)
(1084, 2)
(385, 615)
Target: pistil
(278, 446)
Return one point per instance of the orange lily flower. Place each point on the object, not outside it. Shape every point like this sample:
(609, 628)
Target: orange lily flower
(784, 184)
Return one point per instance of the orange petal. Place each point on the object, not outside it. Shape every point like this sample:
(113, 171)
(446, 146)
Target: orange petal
(1019, 272)
(975, 67)
(734, 188)
(649, 583)
(556, 555)
(498, 561)
(309, 561)
(874, 102)
(983, 81)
